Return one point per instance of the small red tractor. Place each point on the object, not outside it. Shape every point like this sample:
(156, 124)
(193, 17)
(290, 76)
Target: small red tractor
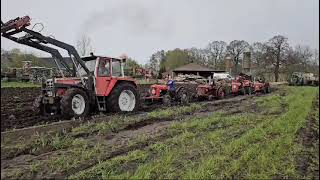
(93, 83)
(168, 94)
(214, 89)
(261, 86)
(241, 85)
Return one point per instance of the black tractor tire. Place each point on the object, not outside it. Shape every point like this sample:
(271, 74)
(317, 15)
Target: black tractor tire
(113, 98)
(38, 106)
(66, 103)
(183, 96)
(220, 92)
(264, 90)
(268, 89)
(248, 90)
(166, 100)
(242, 91)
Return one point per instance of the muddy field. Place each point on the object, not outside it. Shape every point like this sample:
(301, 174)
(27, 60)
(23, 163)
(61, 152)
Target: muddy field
(16, 107)
(222, 138)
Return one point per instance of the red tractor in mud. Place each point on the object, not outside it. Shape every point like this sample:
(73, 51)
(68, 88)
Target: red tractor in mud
(261, 86)
(92, 83)
(242, 85)
(214, 89)
(168, 94)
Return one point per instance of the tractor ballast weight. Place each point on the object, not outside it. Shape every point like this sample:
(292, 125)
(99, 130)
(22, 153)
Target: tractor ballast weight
(92, 83)
(168, 94)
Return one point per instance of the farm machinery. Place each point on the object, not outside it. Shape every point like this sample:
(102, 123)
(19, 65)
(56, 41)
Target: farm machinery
(213, 90)
(93, 83)
(242, 85)
(302, 79)
(168, 94)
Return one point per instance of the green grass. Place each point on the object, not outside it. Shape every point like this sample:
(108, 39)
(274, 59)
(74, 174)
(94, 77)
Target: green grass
(18, 84)
(246, 145)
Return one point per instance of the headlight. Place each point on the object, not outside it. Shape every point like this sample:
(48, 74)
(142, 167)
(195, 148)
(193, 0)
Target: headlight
(153, 91)
(49, 93)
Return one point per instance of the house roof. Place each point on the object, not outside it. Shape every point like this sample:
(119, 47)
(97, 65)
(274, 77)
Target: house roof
(194, 67)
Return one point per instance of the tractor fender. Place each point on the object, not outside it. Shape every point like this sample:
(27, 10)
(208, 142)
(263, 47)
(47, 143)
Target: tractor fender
(115, 82)
(89, 93)
(180, 88)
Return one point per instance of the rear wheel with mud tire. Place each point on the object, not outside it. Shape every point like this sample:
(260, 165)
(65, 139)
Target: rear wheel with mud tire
(220, 93)
(242, 91)
(248, 90)
(123, 98)
(75, 103)
(166, 99)
(38, 106)
(183, 96)
(268, 90)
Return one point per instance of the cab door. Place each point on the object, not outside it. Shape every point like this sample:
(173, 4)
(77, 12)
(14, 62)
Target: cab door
(103, 76)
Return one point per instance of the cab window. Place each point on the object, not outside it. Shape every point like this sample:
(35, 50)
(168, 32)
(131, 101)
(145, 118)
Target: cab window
(104, 68)
(116, 68)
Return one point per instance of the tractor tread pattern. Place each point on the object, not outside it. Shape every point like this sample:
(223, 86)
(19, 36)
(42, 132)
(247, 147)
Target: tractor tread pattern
(66, 103)
(113, 99)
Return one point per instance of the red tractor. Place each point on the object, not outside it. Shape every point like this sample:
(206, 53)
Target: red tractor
(241, 85)
(215, 89)
(261, 86)
(92, 83)
(168, 94)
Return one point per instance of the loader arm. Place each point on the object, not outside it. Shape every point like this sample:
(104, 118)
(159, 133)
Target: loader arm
(38, 41)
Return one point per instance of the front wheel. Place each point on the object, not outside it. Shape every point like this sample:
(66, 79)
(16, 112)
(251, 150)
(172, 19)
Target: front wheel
(123, 98)
(75, 103)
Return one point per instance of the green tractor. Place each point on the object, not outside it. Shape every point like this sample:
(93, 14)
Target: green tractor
(303, 79)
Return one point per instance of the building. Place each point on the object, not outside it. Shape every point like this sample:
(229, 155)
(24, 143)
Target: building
(192, 68)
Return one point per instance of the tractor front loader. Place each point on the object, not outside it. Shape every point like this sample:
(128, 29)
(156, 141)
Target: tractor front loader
(92, 83)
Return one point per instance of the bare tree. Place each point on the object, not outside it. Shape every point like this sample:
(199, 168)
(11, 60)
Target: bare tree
(197, 55)
(305, 54)
(235, 49)
(84, 46)
(276, 49)
(259, 51)
(216, 50)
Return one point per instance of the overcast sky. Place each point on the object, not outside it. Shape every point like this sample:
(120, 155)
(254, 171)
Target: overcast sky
(141, 27)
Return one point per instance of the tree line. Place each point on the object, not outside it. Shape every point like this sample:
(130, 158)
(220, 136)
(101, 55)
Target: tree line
(273, 56)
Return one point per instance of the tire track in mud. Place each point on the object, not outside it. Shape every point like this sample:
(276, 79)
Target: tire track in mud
(309, 138)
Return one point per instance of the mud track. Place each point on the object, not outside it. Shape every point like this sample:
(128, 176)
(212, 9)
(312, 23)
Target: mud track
(16, 108)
